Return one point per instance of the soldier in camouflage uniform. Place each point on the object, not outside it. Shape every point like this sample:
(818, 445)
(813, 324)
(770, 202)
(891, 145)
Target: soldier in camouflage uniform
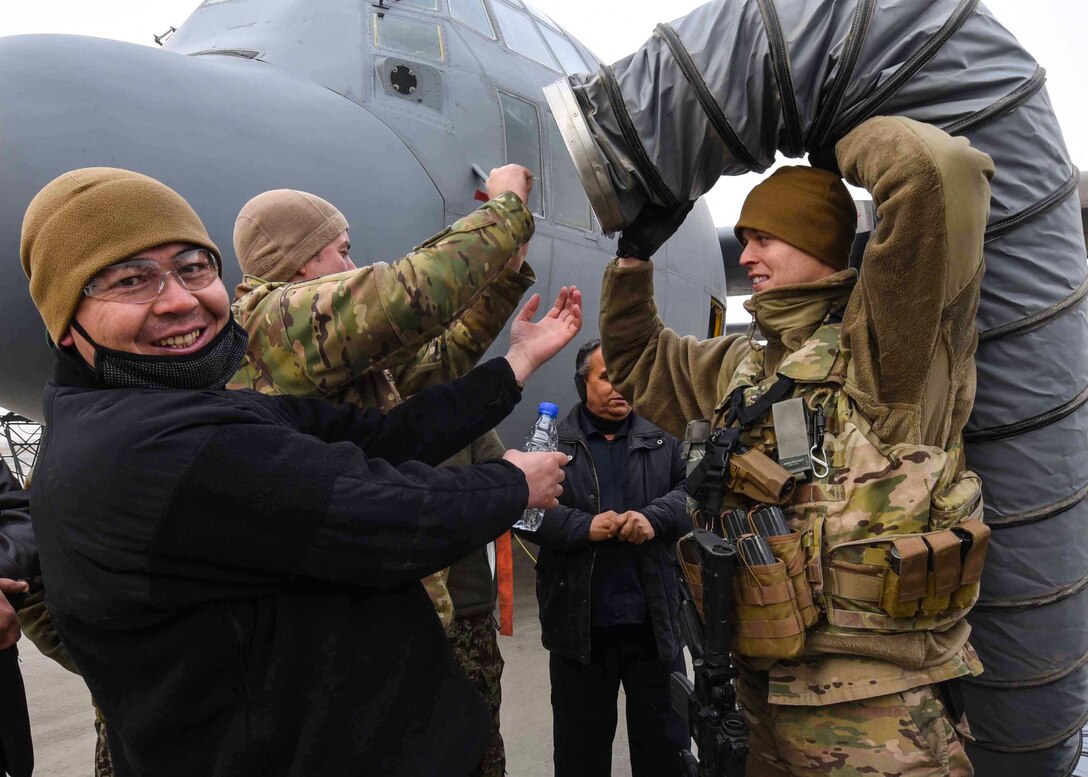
(474, 633)
(372, 335)
(845, 676)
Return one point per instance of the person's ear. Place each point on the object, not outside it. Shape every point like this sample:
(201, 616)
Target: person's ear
(67, 341)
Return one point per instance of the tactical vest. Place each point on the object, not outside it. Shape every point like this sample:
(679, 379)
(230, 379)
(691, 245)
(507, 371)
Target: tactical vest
(884, 539)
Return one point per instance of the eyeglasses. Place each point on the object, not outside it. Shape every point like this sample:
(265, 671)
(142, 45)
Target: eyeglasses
(142, 280)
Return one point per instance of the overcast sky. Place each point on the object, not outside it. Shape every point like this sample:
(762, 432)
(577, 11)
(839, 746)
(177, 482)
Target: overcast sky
(1049, 29)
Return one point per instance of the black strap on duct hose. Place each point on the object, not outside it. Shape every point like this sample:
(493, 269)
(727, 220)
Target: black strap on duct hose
(1002, 227)
(1012, 605)
(634, 143)
(1037, 320)
(1002, 107)
(780, 60)
(869, 106)
(710, 106)
(1046, 744)
(851, 52)
(1031, 682)
(1028, 424)
(1037, 514)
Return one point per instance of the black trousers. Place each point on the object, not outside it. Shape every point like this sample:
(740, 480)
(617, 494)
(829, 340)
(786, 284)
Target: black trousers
(584, 706)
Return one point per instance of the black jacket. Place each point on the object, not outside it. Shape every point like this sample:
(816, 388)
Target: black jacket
(655, 478)
(18, 550)
(238, 581)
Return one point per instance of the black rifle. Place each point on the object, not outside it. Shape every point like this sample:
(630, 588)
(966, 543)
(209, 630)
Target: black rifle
(709, 706)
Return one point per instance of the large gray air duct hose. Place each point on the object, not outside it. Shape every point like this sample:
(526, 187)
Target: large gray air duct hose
(721, 90)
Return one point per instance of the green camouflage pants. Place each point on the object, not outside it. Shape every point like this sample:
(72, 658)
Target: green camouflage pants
(475, 643)
(103, 765)
(904, 734)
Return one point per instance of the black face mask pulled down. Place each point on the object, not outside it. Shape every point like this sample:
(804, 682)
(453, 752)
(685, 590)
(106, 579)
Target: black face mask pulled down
(209, 368)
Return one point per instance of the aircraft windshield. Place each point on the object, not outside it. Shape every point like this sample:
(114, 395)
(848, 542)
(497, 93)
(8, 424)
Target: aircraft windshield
(521, 126)
(521, 35)
(423, 39)
(472, 13)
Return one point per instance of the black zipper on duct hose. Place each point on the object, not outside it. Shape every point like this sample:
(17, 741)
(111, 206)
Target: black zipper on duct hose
(634, 142)
(710, 106)
(1063, 505)
(1036, 320)
(859, 30)
(1017, 428)
(1011, 605)
(1002, 107)
(1011, 223)
(1031, 682)
(870, 105)
(780, 60)
(1033, 747)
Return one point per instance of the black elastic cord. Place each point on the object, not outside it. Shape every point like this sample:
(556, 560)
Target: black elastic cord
(1002, 107)
(710, 106)
(634, 142)
(873, 103)
(780, 61)
(1002, 227)
(855, 41)
(1036, 320)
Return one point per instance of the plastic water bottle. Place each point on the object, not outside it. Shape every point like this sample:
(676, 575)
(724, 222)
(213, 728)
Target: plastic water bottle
(544, 436)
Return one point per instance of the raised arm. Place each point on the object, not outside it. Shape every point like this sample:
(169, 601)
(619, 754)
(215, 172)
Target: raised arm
(316, 337)
(464, 342)
(909, 324)
(668, 379)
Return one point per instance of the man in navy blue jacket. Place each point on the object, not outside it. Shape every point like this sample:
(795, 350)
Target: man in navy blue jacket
(607, 583)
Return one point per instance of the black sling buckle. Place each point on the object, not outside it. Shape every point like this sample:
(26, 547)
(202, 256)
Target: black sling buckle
(746, 416)
(705, 484)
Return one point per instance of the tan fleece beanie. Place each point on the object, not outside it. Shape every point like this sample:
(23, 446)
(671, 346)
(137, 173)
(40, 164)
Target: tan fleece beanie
(808, 208)
(84, 221)
(279, 231)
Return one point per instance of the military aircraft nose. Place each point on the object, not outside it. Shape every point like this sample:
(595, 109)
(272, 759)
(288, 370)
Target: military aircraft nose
(217, 129)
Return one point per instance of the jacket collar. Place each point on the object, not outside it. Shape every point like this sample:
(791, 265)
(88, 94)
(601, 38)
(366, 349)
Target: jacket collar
(789, 315)
(570, 430)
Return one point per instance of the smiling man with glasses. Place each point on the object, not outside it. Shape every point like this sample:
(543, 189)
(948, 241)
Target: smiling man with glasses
(236, 575)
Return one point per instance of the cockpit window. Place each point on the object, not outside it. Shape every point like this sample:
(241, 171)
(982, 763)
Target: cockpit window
(521, 126)
(521, 34)
(570, 205)
(472, 13)
(423, 39)
(427, 5)
(568, 55)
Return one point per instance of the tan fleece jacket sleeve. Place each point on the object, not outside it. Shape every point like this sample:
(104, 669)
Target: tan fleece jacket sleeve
(669, 379)
(909, 326)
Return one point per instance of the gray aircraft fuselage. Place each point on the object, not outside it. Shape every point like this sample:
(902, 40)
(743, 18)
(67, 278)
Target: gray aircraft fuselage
(382, 111)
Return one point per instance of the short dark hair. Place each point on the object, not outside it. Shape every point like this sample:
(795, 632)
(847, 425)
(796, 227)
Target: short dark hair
(581, 361)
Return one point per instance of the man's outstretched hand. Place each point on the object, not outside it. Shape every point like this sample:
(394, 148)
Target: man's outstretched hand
(532, 344)
(9, 622)
(544, 475)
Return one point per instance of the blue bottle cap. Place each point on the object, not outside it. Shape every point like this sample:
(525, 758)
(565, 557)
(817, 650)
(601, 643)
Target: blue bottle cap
(547, 408)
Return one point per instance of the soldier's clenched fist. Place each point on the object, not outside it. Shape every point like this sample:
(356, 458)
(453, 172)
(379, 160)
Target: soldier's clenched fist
(543, 472)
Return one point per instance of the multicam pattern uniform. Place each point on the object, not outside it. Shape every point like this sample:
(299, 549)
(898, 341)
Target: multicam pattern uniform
(897, 392)
(369, 336)
(475, 644)
(474, 633)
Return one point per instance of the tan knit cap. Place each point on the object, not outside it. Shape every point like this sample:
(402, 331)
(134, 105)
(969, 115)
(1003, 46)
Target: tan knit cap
(84, 221)
(808, 208)
(279, 231)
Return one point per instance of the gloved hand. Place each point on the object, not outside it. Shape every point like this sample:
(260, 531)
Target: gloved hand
(651, 228)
